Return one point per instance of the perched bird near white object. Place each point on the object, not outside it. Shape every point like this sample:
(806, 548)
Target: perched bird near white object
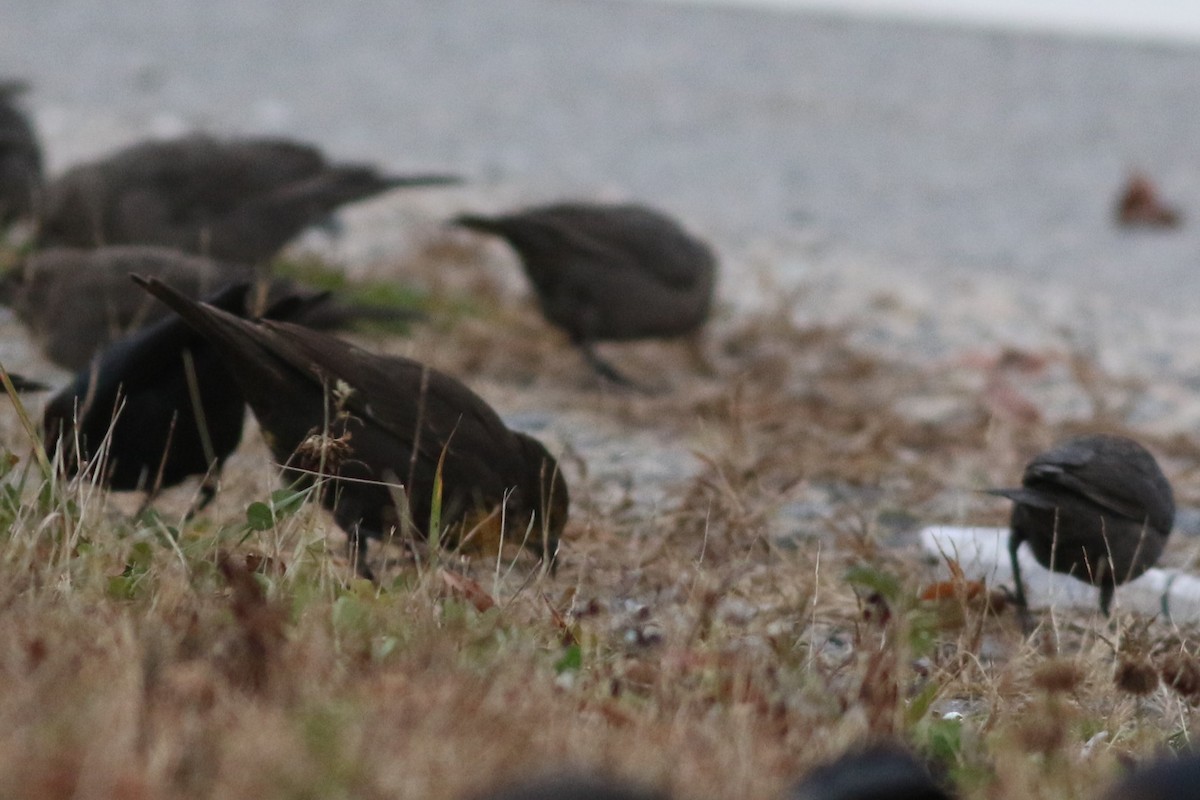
(1096, 507)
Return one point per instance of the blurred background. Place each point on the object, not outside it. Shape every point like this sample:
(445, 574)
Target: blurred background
(935, 138)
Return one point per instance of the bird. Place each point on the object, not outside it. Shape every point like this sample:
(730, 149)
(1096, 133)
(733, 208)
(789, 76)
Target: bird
(238, 200)
(135, 405)
(880, 771)
(1168, 778)
(367, 422)
(569, 786)
(609, 272)
(75, 301)
(1096, 507)
(20, 157)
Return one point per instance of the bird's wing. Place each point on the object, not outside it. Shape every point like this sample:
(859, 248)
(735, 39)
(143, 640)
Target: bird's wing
(387, 389)
(1117, 487)
(635, 238)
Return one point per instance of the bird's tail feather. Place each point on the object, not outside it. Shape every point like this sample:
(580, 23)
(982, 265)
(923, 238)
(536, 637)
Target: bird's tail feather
(237, 339)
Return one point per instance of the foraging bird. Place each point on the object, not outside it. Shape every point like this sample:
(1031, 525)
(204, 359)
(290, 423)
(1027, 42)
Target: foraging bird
(1169, 778)
(1096, 507)
(609, 272)
(135, 405)
(883, 771)
(20, 157)
(365, 420)
(240, 200)
(76, 302)
(571, 787)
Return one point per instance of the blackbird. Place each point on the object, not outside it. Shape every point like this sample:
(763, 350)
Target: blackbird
(1096, 507)
(20, 157)
(240, 200)
(609, 272)
(75, 302)
(369, 422)
(883, 771)
(140, 394)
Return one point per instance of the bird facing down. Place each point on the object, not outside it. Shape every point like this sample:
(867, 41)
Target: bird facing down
(20, 157)
(240, 200)
(1096, 507)
(609, 272)
(143, 388)
(881, 771)
(326, 407)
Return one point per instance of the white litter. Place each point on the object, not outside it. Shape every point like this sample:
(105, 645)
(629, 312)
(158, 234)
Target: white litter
(983, 555)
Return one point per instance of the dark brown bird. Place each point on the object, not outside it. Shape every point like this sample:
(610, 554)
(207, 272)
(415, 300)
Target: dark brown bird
(363, 420)
(571, 787)
(1096, 507)
(609, 272)
(76, 302)
(20, 157)
(136, 405)
(240, 200)
(882, 771)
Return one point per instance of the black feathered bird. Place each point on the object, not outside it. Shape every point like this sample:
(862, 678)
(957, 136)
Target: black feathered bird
(609, 272)
(239, 200)
(20, 157)
(1096, 507)
(75, 302)
(330, 408)
(137, 400)
(882, 771)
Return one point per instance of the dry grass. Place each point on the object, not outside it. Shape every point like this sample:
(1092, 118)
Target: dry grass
(763, 618)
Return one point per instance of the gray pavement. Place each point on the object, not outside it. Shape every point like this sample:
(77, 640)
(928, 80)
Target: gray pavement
(934, 150)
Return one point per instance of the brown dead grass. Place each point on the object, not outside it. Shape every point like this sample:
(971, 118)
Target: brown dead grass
(762, 620)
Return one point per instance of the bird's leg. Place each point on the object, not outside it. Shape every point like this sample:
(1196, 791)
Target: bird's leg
(1014, 542)
(602, 367)
(204, 496)
(608, 372)
(1106, 597)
